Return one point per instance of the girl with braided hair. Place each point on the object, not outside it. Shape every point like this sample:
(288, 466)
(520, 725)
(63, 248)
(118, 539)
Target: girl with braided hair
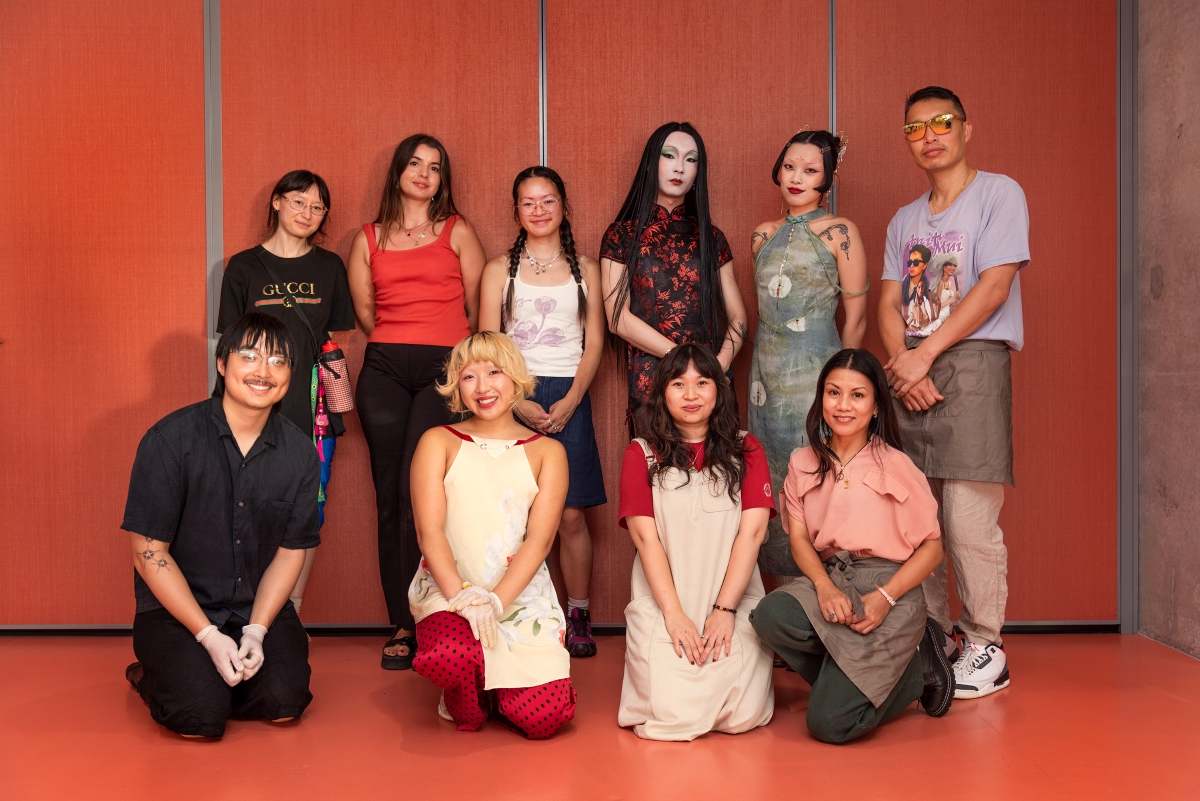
(543, 294)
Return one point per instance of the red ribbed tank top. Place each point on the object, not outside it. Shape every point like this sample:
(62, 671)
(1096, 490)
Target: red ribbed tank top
(418, 292)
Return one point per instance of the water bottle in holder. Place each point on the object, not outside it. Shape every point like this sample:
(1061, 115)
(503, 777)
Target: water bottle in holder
(335, 378)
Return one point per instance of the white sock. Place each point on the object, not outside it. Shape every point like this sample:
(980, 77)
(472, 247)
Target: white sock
(573, 603)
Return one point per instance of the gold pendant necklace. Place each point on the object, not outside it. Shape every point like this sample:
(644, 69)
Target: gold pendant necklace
(408, 232)
(841, 473)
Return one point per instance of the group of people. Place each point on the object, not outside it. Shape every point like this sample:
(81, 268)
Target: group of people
(857, 479)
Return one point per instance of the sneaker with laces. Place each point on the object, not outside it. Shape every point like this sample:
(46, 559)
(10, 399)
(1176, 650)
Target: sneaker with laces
(980, 671)
(579, 634)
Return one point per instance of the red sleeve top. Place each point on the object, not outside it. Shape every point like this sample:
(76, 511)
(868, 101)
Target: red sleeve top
(637, 498)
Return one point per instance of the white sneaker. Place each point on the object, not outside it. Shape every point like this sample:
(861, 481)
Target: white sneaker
(980, 671)
(444, 713)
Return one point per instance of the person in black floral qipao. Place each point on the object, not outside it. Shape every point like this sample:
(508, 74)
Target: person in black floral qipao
(676, 285)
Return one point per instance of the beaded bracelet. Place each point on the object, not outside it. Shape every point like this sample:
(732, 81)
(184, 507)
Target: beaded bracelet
(720, 608)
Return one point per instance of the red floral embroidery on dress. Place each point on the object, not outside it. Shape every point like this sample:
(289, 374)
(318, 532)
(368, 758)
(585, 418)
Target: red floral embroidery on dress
(664, 291)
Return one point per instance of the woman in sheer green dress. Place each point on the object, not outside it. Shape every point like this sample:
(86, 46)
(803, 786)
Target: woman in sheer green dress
(804, 263)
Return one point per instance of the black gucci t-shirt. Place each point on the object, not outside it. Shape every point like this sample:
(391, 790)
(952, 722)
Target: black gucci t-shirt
(318, 281)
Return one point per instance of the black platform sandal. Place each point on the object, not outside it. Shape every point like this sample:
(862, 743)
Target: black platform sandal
(400, 662)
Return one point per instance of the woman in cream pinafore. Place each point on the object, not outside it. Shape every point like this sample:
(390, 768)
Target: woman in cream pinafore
(663, 696)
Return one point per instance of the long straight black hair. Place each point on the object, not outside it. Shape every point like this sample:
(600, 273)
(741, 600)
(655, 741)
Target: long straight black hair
(639, 205)
(564, 233)
(724, 449)
(882, 428)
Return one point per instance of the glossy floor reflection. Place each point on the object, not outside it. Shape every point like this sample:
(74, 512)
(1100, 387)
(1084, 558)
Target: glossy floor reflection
(1087, 716)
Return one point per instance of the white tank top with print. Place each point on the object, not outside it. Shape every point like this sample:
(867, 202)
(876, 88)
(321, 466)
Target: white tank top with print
(546, 326)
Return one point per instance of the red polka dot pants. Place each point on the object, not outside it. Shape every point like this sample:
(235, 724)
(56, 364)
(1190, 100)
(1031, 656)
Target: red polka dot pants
(451, 658)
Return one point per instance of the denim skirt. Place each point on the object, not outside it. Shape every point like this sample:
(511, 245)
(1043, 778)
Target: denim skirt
(579, 438)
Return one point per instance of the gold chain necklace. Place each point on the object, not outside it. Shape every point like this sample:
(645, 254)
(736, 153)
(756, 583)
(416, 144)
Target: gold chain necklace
(841, 473)
(408, 232)
(970, 175)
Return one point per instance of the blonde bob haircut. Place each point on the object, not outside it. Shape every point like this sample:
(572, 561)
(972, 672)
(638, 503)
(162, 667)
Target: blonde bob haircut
(486, 346)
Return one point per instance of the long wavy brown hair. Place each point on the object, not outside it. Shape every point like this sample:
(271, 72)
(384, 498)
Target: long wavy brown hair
(724, 450)
(441, 205)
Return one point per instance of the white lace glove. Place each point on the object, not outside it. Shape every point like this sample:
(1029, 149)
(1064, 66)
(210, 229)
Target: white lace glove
(483, 622)
(251, 652)
(224, 653)
(481, 608)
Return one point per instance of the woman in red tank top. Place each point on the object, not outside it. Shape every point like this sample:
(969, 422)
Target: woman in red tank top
(414, 277)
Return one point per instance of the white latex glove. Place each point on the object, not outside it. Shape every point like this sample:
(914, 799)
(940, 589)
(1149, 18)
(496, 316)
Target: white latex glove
(475, 596)
(482, 618)
(251, 652)
(224, 653)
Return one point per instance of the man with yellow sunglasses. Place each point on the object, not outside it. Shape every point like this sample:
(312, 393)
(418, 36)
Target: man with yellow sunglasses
(950, 369)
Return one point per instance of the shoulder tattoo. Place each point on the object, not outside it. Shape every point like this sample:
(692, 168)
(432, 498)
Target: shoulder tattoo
(833, 231)
(757, 240)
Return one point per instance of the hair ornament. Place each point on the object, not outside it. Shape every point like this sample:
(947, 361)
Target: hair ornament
(843, 140)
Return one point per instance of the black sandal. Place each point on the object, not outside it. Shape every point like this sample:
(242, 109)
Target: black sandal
(400, 662)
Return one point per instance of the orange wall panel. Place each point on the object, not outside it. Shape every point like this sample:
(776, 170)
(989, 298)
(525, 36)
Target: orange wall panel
(334, 87)
(102, 163)
(1038, 81)
(748, 77)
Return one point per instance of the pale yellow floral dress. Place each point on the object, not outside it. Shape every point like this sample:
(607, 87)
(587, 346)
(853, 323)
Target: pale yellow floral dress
(489, 489)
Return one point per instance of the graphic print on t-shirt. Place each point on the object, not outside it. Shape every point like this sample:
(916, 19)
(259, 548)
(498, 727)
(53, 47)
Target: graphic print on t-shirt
(931, 287)
(277, 294)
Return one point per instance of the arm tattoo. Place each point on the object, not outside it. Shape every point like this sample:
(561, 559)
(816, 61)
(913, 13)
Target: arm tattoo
(841, 228)
(742, 330)
(757, 240)
(150, 557)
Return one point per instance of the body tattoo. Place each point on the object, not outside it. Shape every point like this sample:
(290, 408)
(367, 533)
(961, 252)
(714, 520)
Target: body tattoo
(841, 228)
(150, 556)
(757, 240)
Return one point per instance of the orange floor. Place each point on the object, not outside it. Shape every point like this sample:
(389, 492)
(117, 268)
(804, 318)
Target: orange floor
(1087, 716)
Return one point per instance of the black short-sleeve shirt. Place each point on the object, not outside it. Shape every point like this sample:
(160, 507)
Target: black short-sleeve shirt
(224, 515)
(318, 281)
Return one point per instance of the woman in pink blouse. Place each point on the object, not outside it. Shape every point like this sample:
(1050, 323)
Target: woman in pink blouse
(864, 532)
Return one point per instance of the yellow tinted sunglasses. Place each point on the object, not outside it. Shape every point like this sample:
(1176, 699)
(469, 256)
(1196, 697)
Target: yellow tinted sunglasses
(941, 125)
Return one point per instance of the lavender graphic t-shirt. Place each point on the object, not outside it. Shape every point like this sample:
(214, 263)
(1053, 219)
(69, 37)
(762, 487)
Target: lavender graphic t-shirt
(938, 258)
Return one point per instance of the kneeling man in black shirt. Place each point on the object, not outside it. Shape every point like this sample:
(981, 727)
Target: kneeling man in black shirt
(222, 505)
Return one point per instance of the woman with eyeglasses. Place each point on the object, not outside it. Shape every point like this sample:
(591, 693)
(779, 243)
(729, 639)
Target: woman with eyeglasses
(667, 270)
(414, 277)
(544, 295)
(286, 276)
(805, 264)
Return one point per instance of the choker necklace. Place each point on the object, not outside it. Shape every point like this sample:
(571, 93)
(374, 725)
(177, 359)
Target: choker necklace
(539, 267)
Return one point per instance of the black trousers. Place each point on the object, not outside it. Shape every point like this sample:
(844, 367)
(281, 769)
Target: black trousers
(397, 403)
(185, 693)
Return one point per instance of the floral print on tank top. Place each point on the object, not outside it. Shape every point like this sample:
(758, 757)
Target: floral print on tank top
(665, 288)
(530, 334)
